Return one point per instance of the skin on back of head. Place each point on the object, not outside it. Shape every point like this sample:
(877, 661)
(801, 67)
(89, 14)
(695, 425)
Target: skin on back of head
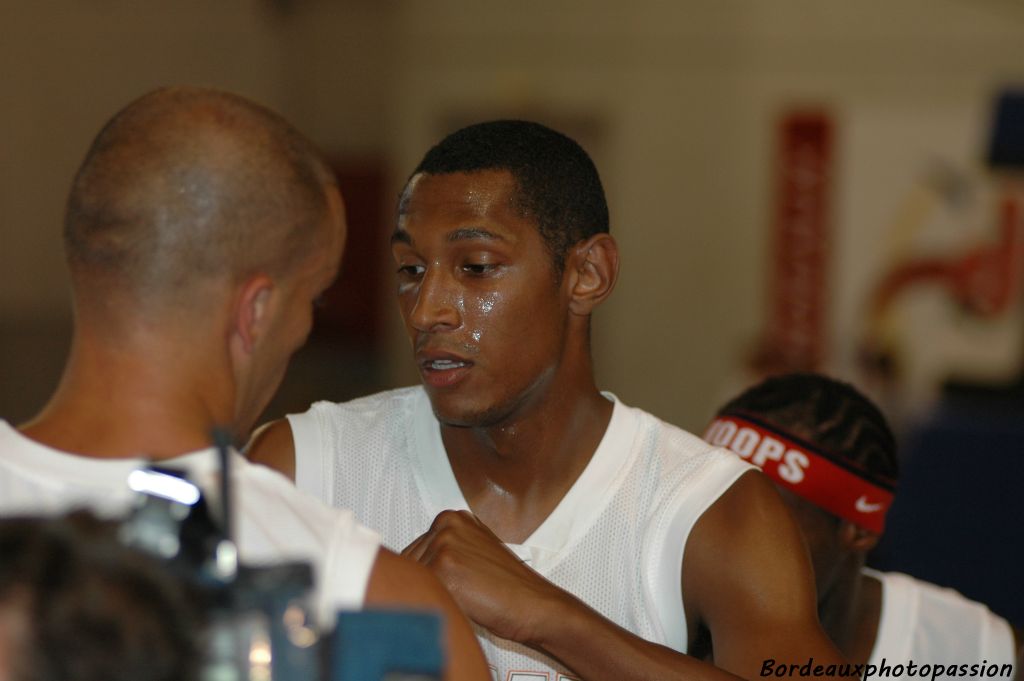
(183, 187)
(557, 182)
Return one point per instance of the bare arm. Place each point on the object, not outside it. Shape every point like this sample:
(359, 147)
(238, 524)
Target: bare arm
(272, 445)
(401, 583)
(500, 593)
(747, 575)
(753, 587)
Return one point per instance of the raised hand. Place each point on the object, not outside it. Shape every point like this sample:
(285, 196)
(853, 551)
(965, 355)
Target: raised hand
(491, 584)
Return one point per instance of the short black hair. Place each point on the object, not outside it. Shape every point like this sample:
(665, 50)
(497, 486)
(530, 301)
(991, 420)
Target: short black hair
(830, 414)
(557, 183)
(93, 610)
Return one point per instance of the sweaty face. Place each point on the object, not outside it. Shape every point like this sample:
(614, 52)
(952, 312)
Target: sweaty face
(483, 307)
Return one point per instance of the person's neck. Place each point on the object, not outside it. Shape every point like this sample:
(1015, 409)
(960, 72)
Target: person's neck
(515, 473)
(124, 404)
(850, 612)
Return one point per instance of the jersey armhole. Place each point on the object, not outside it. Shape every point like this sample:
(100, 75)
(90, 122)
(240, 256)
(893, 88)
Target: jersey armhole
(665, 542)
(313, 470)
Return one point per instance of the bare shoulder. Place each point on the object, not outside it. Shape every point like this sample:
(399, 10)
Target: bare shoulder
(396, 580)
(751, 502)
(272, 445)
(748, 546)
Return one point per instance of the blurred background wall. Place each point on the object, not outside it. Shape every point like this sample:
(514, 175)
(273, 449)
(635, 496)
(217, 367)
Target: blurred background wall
(678, 102)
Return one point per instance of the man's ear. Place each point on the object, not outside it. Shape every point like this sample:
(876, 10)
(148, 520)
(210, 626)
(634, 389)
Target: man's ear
(592, 268)
(856, 538)
(252, 310)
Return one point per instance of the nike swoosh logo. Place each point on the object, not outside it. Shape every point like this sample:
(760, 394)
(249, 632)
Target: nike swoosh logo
(863, 506)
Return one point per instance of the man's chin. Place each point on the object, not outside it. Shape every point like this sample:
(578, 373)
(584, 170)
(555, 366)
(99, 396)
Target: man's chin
(464, 416)
(458, 420)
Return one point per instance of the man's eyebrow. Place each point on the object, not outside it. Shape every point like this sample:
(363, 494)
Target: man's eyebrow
(400, 236)
(467, 233)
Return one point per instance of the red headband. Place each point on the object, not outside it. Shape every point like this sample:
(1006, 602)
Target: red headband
(823, 482)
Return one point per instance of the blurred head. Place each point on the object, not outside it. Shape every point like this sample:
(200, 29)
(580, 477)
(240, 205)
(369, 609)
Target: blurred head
(193, 206)
(503, 251)
(832, 455)
(76, 605)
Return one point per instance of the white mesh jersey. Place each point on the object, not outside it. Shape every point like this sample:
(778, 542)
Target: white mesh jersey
(615, 540)
(928, 624)
(272, 520)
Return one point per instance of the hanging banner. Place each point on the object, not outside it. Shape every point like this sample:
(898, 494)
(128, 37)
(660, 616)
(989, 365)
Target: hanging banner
(796, 337)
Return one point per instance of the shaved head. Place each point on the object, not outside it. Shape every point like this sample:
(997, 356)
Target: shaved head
(186, 185)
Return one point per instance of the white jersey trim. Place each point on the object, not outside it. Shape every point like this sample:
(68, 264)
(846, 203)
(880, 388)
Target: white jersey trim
(579, 508)
(313, 473)
(671, 532)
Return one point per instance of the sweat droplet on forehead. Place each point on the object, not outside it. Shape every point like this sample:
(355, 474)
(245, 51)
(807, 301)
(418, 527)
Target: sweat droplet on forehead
(476, 195)
(479, 190)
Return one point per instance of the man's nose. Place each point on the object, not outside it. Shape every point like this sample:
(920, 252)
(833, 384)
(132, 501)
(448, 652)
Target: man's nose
(436, 307)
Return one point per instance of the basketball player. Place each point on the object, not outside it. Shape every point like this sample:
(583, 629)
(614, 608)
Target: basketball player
(833, 457)
(199, 230)
(586, 538)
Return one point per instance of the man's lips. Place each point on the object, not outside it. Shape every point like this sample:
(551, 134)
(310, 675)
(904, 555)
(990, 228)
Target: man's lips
(442, 369)
(439, 359)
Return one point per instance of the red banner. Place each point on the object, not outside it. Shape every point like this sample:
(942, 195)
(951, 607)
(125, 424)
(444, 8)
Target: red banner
(795, 337)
